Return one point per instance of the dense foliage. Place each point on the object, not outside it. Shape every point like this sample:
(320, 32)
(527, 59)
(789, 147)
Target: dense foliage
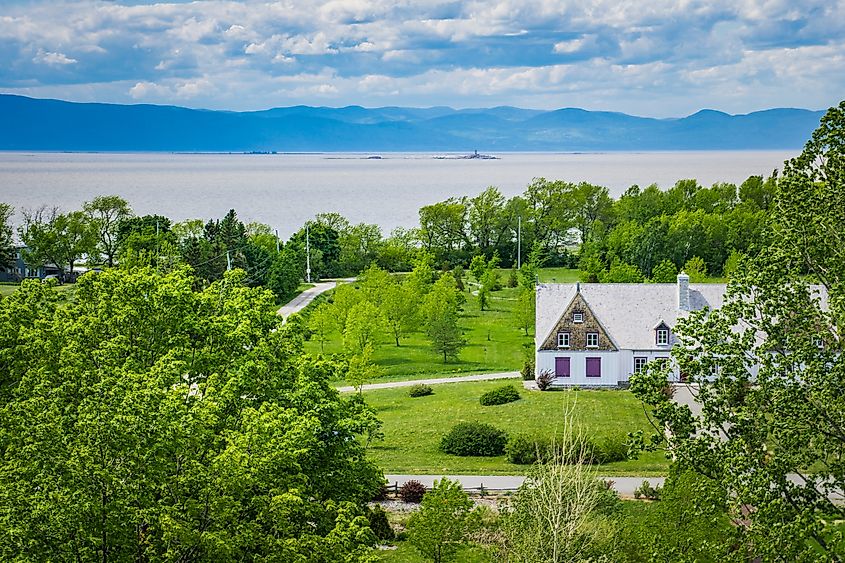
(152, 421)
(499, 396)
(420, 390)
(444, 521)
(770, 369)
(474, 438)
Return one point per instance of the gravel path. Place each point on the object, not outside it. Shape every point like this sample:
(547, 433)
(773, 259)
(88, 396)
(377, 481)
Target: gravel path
(434, 381)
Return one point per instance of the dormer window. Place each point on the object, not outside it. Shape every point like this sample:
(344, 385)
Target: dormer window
(592, 340)
(577, 317)
(563, 340)
(661, 334)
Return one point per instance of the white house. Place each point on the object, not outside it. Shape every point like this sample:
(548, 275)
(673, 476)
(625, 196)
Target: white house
(598, 334)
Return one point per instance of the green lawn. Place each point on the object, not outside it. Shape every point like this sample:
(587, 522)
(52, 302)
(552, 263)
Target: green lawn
(559, 275)
(65, 291)
(406, 553)
(494, 344)
(413, 427)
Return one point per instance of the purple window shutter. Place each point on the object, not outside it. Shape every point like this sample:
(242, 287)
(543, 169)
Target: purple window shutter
(593, 367)
(561, 367)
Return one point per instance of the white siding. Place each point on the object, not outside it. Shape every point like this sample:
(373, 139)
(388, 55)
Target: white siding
(578, 367)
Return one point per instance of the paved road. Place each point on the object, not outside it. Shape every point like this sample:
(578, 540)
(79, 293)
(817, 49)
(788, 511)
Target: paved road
(623, 485)
(435, 381)
(299, 302)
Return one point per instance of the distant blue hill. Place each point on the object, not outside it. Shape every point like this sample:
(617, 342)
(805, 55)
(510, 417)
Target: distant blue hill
(52, 125)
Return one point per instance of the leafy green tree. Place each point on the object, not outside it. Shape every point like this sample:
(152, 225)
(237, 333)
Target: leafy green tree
(477, 267)
(149, 421)
(621, 272)
(363, 324)
(443, 230)
(665, 272)
(422, 277)
(399, 308)
(144, 240)
(7, 241)
(440, 318)
(105, 214)
(285, 274)
(769, 369)
(361, 368)
(689, 524)
(396, 253)
(56, 238)
(696, 270)
(525, 311)
(322, 322)
(325, 249)
(732, 264)
(444, 522)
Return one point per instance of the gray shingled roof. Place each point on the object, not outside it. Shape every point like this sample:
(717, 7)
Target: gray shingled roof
(628, 311)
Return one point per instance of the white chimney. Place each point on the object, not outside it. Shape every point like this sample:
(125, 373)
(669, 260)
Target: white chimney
(683, 292)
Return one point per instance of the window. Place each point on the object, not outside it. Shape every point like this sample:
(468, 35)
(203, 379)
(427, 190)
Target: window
(561, 367)
(578, 317)
(639, 364)
(818, 342)
(662, 336)
(715, 370)
(592, 340)
(563, 340)
(593, 367)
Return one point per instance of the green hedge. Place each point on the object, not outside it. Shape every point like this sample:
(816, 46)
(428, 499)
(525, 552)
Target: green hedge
(500, 396)
(474, 439)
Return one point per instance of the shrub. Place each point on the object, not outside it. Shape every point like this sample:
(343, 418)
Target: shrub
(646, 491)
(412, 491)
(522, 449)
(499, 396)
(544, 379)
(513, 281)
(474, 438)
(527, 370)
(608, 450)
(379, 523)
(420, 390)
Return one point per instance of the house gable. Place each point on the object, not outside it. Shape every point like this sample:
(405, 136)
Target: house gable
(578, 330)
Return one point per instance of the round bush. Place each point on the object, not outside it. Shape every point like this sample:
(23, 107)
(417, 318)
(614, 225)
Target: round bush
(474, 438)
(500, 396)
(420, 390)
(522, 449)
(608, 450)
(412, 491)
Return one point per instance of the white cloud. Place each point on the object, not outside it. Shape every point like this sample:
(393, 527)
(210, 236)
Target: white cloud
(53, 59)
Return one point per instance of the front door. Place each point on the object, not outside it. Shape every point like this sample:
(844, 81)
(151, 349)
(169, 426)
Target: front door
(561, 367)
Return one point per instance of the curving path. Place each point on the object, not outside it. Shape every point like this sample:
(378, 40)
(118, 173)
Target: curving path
(302, 300)
(434, 381)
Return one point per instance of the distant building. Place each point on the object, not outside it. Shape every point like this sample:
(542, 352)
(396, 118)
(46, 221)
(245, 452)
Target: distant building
(20, 270)
(598, 334)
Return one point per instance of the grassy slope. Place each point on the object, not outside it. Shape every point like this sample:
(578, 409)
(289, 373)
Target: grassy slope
(413, 427)
(494, 344)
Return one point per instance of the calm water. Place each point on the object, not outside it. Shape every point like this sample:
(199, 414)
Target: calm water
(286, 190)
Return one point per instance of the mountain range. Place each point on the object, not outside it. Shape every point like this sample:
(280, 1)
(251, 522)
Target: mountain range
(54, 125)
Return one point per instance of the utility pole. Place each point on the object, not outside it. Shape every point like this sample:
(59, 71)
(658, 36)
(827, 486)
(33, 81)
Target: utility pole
(518, 243)
(228, 261)
(277, 241)
(307, 253)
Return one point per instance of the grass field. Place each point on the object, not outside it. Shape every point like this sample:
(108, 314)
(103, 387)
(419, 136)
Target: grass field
(406, 553)
(66, 290)
(494, 344)
(413, 427)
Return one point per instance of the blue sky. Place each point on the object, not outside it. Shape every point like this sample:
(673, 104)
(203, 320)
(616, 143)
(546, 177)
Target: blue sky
(655, 58)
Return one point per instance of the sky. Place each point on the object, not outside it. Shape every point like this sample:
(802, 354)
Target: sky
(653, 58)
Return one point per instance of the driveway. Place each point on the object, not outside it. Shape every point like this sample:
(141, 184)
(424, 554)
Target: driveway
(299, 302)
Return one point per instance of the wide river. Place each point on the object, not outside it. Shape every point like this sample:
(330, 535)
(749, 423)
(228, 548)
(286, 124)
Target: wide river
(286, 190)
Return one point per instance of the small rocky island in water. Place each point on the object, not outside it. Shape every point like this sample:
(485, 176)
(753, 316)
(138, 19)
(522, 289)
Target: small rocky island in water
(474, 155)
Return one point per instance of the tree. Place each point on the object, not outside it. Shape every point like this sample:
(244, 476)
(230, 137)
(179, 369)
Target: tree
(145, 240)
(285, 274)
(361, 368)
(525, 310)
(148, 421)
(321, 322)
(621, 272)
(665, 272)
(440, 318)
(7, 241)
(56, 238)
(696, 270)
(770, 370)
(444, 521)
(399, 308)
(562, 511)
(105, 214)
(363, 324)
